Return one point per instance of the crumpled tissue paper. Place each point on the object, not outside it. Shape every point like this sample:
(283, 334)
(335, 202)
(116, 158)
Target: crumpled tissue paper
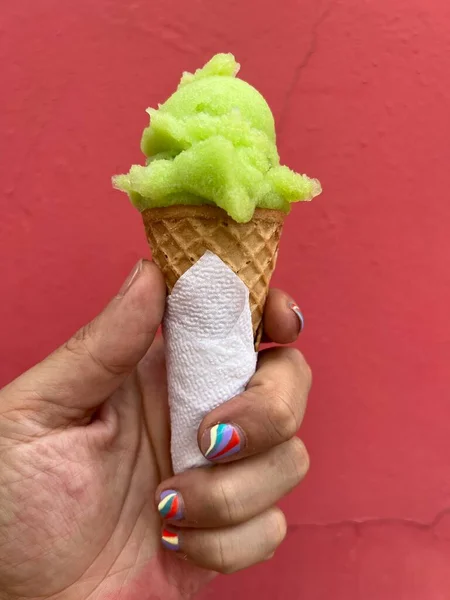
(209, 350)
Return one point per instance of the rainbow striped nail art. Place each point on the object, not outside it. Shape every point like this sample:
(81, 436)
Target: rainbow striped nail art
(225, 440)
(170, 540)
(299, 314)
(171, 505)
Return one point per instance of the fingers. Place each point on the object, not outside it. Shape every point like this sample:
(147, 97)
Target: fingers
(81, 374)
(283, 320)
(229, 549)
(268, 413)
(224, 518)
(232, 494)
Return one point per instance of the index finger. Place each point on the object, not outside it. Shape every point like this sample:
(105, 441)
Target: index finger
(268, 413)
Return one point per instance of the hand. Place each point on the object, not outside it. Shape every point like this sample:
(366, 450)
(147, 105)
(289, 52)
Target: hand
(85, 457)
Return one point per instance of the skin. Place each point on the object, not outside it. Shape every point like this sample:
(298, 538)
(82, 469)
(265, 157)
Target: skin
(84, 455)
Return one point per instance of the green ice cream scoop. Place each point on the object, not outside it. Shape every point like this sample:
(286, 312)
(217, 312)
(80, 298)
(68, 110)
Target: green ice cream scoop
(213, 142)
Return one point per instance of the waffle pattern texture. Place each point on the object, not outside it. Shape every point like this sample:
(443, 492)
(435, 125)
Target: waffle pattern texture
(179, 235)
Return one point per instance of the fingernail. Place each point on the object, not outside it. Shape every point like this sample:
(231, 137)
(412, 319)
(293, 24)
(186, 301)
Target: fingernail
(171, 506)
(299, 314)
(170, 540)
(130, 279)
(221, 441)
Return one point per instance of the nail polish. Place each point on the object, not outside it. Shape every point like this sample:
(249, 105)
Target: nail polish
(171, 505)
(299, 314)
(170, 540)
(221, 441)
(130, 279)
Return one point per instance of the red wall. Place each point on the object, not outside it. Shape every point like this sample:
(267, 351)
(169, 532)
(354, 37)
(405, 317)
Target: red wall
(361, 94)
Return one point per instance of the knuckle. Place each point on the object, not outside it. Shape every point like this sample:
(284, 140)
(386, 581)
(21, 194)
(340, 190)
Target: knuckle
(301, 365)
(307, 374)
(286, 401)
(80, 345)
(225, 501)
(229, 569)
(76, 344)
(277, 527)
(292, 354)
(224, 559)
(227, 556)
(299, 459)
(281, 414)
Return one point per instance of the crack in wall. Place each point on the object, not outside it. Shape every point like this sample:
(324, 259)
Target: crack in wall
(376, 521)
(303, 63)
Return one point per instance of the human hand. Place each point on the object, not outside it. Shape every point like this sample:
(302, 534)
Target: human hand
(85, 457)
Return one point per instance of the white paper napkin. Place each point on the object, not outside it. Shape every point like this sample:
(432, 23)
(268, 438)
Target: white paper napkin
(209, 350)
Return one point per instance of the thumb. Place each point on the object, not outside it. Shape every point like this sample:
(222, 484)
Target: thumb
(82, 373)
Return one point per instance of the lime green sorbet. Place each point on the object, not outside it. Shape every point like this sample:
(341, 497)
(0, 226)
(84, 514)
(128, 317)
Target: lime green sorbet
(213, 142)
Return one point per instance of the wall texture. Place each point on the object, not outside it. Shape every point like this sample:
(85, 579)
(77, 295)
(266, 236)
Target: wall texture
(361, 94)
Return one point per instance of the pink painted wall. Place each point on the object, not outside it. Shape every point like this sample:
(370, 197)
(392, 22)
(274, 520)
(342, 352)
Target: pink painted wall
(361, 94)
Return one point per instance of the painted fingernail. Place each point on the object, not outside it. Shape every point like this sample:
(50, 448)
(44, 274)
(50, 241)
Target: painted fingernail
(130, 279)
(170, 540)
(299, 314)
(221, 441)
(171, 505)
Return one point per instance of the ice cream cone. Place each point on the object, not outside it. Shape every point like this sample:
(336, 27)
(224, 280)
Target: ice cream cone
(179, 235)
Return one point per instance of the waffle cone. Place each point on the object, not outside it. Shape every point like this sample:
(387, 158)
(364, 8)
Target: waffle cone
(179, 235)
